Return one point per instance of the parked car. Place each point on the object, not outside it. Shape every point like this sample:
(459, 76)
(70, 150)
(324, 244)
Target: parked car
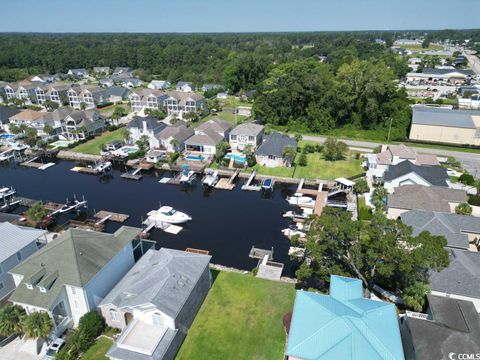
(54, 348)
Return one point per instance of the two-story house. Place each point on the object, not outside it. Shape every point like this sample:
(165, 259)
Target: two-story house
(207, 136)
(32, 119)
(16, 244)
(72, 274)
(57, 92)
(185, 86)
(179, 102)
(155, 303)
(145, 126)
(80, 124)
(246, 134)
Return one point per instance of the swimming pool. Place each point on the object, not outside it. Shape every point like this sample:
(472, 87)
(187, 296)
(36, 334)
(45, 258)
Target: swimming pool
(237, 158)
(61, 143)
(7, 136)
(128, 149)
(194, 157)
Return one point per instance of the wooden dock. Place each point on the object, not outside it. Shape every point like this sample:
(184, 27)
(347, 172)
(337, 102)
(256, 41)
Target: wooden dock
(52, 206)
(88, 224)
(104, 215)
(227, 183)
(197, 251)
(131, 176)
(320, 202)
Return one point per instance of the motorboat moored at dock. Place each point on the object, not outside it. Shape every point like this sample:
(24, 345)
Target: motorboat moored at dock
(210, 179)
(167, 214)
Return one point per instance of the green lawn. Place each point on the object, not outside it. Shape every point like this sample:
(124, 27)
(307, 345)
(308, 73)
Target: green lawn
(233, 102)
(98, 350)
(108, 110)
(224, 115)
(95, 145)
(240, 319)
(319, 168)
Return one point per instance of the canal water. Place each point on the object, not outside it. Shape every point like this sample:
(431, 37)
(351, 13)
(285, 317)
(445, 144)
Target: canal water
(226, 223)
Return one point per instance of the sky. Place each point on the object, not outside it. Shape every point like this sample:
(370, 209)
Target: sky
(235, 15)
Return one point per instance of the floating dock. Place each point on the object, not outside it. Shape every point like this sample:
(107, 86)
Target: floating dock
(104, 215)
(167, 227)
(257, 253)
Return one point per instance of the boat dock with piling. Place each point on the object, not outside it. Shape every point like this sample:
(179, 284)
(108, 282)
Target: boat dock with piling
(104, 215)
(257, 253)
(227, 183)
(248, 185)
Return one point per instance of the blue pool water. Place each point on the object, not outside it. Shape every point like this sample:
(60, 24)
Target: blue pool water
(194, 157)
(7, 136)
(237, 158)
(129, 149)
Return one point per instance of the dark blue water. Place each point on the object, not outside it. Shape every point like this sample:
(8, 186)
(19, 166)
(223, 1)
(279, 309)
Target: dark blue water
(226, 223)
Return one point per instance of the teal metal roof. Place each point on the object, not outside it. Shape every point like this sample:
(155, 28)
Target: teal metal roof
(343, 325)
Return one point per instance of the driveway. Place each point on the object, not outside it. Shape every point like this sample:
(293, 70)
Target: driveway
(470, 161)
(20, 349)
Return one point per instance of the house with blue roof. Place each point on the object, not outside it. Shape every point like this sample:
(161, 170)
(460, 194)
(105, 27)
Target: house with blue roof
(343, 325)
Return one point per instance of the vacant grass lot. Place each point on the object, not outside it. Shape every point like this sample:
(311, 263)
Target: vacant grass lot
(98, 350)
(241, 318)
(95, 145)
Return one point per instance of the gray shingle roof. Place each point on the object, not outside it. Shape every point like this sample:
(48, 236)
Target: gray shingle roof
(13, 238)
(6, 113)
(152, 123)
(178, 132)
(164, 278)
(248, 129)
(77, 255)
(433, 198)
(275, 143)
(455, 329)
(461, 277)
(217, 125)
(424, 115)
(118, 91)
(454, 227)
(434, 175)
(466, 72)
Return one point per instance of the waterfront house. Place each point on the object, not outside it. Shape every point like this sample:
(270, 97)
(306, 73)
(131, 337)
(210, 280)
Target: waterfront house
(154, 156)
(461, 231)
(56, 119)
(407, 173)
(173, 138)
(16, 244)
(179, 102)
(377, 164)
(343, 325)
(207, 136)
(80, 124)
(419, 197)
(185, 86)
(246, 134)
(78, 73)
(441, 125)
(159, 85)
(448, 327)
(29, 118)
(460, 279)
(155, 303)
(71, 274)
(145, 126)
(5, 114)
(270, 152)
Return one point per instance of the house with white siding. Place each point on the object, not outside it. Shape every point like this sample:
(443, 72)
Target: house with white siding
(246, 134)
(207, 136)
(155, 303)
(17, 243)
(72, 274)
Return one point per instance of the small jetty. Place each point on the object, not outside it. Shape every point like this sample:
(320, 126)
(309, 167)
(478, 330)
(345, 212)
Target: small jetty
(167, 227)
(104, 215)
(134, 175)
(227, 183)
(269, 270)
(37, 165)
(248, 185)
(257, 253)
(197, 251)
(53, 207)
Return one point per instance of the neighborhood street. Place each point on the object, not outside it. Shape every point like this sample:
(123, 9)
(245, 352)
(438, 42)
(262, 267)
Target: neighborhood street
(471, 161)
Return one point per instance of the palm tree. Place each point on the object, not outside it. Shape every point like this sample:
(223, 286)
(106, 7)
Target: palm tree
(174, 143)
(38, 325)
(11, 319)
(289, 154)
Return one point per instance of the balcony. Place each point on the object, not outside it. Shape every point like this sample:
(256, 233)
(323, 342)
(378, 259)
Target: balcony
(141, 337)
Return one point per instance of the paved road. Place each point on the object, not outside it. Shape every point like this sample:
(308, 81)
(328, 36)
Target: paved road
(474, 62)
(471, 161)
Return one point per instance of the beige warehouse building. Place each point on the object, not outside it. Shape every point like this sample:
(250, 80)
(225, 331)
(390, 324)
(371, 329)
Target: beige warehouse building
(443, 125)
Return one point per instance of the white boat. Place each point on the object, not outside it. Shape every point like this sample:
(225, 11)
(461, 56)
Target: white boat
(102, 167)
(18, 146)
(7, 192)
(187, 176)
(300, 200)
(210, 179)
(292, 231)
(71, 205)
(167, 214)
